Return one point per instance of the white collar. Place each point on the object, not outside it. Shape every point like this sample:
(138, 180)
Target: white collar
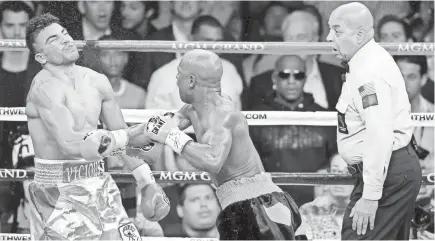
(360, 55)
(122, 88)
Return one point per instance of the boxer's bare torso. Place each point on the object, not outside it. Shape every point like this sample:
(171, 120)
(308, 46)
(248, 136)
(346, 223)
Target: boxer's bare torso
(243, 159)
(75, 101)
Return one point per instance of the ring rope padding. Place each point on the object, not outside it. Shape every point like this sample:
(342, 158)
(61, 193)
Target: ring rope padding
(275, 48)
(279, 178)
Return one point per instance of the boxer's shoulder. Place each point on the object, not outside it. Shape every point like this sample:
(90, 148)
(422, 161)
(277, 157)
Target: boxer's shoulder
(229, 116)
(44, 90)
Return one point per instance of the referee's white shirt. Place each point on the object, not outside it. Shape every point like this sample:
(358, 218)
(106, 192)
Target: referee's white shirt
(373, 114)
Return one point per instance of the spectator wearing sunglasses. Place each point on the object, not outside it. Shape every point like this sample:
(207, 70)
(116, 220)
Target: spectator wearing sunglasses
(323, 81)
(292, 148)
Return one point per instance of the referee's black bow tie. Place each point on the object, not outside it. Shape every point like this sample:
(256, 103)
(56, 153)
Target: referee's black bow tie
(346, 66)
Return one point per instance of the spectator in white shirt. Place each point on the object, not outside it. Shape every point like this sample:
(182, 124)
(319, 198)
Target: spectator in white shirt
(163, 91)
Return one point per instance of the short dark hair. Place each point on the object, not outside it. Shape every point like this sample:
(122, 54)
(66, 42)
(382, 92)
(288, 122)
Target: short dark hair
(392, 18)
(310, 9)
(205, 20)
(15, 6)
(271, 4)
(35, 26)
(182, 191)
(414, 59)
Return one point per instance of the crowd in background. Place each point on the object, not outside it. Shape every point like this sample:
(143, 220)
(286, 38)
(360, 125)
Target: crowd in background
(147, 80)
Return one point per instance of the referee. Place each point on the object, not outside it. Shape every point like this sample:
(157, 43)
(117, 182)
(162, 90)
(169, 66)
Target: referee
(374, 132)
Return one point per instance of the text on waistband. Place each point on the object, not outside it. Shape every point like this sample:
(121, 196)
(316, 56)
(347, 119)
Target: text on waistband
(79, 171)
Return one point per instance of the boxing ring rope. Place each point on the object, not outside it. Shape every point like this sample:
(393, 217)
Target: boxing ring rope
(274, 48)
(280, 178)
(255, 118)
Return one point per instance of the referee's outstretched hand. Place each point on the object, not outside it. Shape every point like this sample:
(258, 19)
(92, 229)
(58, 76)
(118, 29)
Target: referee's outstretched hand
(364, 213)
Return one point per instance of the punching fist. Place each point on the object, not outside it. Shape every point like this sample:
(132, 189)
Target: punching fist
(151, 153)
(164, 129)
(154, 204)
(159, 126)
(98, 144)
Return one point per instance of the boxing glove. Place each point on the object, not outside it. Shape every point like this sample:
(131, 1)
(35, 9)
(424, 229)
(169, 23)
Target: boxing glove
(155, 204)
(164, 129)
(98, 144)
(151, 154)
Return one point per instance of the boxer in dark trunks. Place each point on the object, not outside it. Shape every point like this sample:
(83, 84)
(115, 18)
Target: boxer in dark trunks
(253, 206)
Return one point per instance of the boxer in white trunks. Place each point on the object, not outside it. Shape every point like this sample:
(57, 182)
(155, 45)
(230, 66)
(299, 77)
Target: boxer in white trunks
(74, 198)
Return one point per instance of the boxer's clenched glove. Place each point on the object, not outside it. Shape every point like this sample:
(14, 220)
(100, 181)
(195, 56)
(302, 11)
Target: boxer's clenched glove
(154, 204)
(101, 143)
(164, 129)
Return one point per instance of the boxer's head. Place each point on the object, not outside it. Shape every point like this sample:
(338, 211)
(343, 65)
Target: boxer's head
(289, 78)
(198, 207)
(50, 42)
(198, 71)
(351, 27)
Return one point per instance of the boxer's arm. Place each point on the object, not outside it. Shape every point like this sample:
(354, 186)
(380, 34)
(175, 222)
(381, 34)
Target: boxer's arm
(50, 104)
(112, 117)
(211, 155)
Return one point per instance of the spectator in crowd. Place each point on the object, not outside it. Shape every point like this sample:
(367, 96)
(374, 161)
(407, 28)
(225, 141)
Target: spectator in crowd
(95, 22)
(198, 209)
(183, 15)
(292, 148)
(393, 29)
(421, 18)
(271, 20)
(16, 72)
(137, 16)
(414, 71)
(163, 91)
(235, 27)
(270, 23)
(322, 218)
(323, 80)
(428, 89)
(113, 62)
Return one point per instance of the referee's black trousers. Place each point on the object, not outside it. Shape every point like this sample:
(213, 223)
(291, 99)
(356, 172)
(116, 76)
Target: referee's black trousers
(396, 206)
